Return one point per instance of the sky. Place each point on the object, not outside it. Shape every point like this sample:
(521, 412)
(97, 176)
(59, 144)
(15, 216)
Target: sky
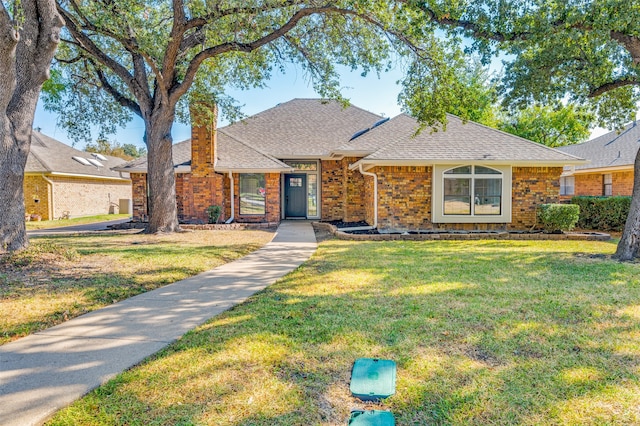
(376, 94)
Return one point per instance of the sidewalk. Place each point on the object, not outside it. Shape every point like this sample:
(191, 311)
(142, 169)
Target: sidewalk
(47, 371)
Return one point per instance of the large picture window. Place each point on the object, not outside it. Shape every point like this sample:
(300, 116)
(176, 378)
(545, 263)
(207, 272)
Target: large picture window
(471, 194)
(252, 194)
(473, 191)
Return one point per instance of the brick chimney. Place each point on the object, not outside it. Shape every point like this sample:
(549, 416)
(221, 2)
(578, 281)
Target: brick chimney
(203, 139)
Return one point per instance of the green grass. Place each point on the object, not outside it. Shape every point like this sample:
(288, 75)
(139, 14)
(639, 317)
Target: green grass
(61, 277)
(44, 224)
(484, 332)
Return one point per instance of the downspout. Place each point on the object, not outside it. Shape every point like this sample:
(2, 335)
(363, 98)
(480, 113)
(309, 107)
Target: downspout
(51, 206)
(233, 201)
(375, 203)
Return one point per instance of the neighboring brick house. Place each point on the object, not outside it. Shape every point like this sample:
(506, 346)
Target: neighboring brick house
(314, 159)
(59, 179)
(610, 168)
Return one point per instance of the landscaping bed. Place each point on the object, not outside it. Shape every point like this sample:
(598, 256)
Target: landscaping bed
(337, 230)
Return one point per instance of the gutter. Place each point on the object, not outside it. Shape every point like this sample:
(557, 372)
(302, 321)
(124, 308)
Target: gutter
(51, 205)
(233, 201)
(375, 203)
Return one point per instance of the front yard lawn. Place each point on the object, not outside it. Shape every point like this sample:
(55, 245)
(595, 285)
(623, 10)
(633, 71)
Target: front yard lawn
(44, 224)
(61, 277)
(484, 333)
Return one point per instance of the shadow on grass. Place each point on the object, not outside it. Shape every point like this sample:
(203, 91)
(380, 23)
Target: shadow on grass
(483, 333)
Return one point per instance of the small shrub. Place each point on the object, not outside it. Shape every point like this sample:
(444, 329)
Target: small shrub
(603, 213)
(214, 213)
(558, 217)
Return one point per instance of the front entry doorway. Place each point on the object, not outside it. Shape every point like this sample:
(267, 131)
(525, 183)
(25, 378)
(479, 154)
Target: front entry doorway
(295, 193)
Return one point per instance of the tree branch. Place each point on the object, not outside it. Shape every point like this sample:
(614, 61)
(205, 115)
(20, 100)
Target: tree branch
(180, 89)
(8, 42)
(87, 44)
(625, 81)
(119, 97)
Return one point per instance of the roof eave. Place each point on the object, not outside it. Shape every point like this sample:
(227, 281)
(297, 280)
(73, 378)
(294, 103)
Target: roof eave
(79, 175)
(369, 163)
(604, 169)
(254, 170)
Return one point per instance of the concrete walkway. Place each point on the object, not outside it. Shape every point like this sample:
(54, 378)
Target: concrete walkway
(46, 371)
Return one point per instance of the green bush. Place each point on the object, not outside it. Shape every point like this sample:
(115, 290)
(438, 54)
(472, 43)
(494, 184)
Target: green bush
(558, 217)
(603, 213)
(214, 213)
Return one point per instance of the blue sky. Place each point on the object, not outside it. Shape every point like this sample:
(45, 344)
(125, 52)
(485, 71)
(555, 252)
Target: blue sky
(378, 95)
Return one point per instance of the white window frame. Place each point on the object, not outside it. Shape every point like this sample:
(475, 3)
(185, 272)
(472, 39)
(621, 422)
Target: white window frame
(566, 189)
(437, 203)
(607, 184)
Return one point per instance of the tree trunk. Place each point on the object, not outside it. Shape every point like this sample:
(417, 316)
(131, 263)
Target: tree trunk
(25, 59)
(163, 211)
(13, 234)
(629, 245)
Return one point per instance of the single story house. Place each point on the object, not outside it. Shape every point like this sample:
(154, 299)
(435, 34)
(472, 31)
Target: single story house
(62, 181)
(315, 159)
(610, 169)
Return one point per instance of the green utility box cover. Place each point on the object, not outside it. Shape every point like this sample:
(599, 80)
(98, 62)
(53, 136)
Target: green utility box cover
(373, 379)
(371, 418)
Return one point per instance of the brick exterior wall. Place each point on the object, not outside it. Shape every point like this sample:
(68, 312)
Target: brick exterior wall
(36, 188)
(354, 192)
(332, 191)
(404, 198)
(343, 195)
(195, 194)
(532, 186)
(591, 184)
(203, 144)
(272, 207)
(78, 196)
(139, 186)
(203, 187)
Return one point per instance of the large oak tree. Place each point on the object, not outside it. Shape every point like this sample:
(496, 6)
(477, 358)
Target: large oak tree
(29, 35)
(152, 59)
(586, 52)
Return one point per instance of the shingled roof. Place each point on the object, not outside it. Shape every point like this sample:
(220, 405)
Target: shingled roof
(316, 128)
(302, 128)
(395, 142)
(48, 155)
(232, 155)
(614, 149)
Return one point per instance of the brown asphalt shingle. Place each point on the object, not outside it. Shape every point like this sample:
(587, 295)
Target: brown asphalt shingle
(613, 149)
(48, 155)
(302, 128)
(460, 142)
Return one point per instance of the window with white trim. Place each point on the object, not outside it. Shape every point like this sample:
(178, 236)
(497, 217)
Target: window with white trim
(252, 194)
(567, 185)
(471, 194)
(607, 185)
(473, 191)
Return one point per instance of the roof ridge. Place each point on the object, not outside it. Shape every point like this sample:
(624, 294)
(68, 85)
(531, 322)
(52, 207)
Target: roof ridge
(264, 154)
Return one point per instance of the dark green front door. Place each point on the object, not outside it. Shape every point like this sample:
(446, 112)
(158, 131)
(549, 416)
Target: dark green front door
(295, 195)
